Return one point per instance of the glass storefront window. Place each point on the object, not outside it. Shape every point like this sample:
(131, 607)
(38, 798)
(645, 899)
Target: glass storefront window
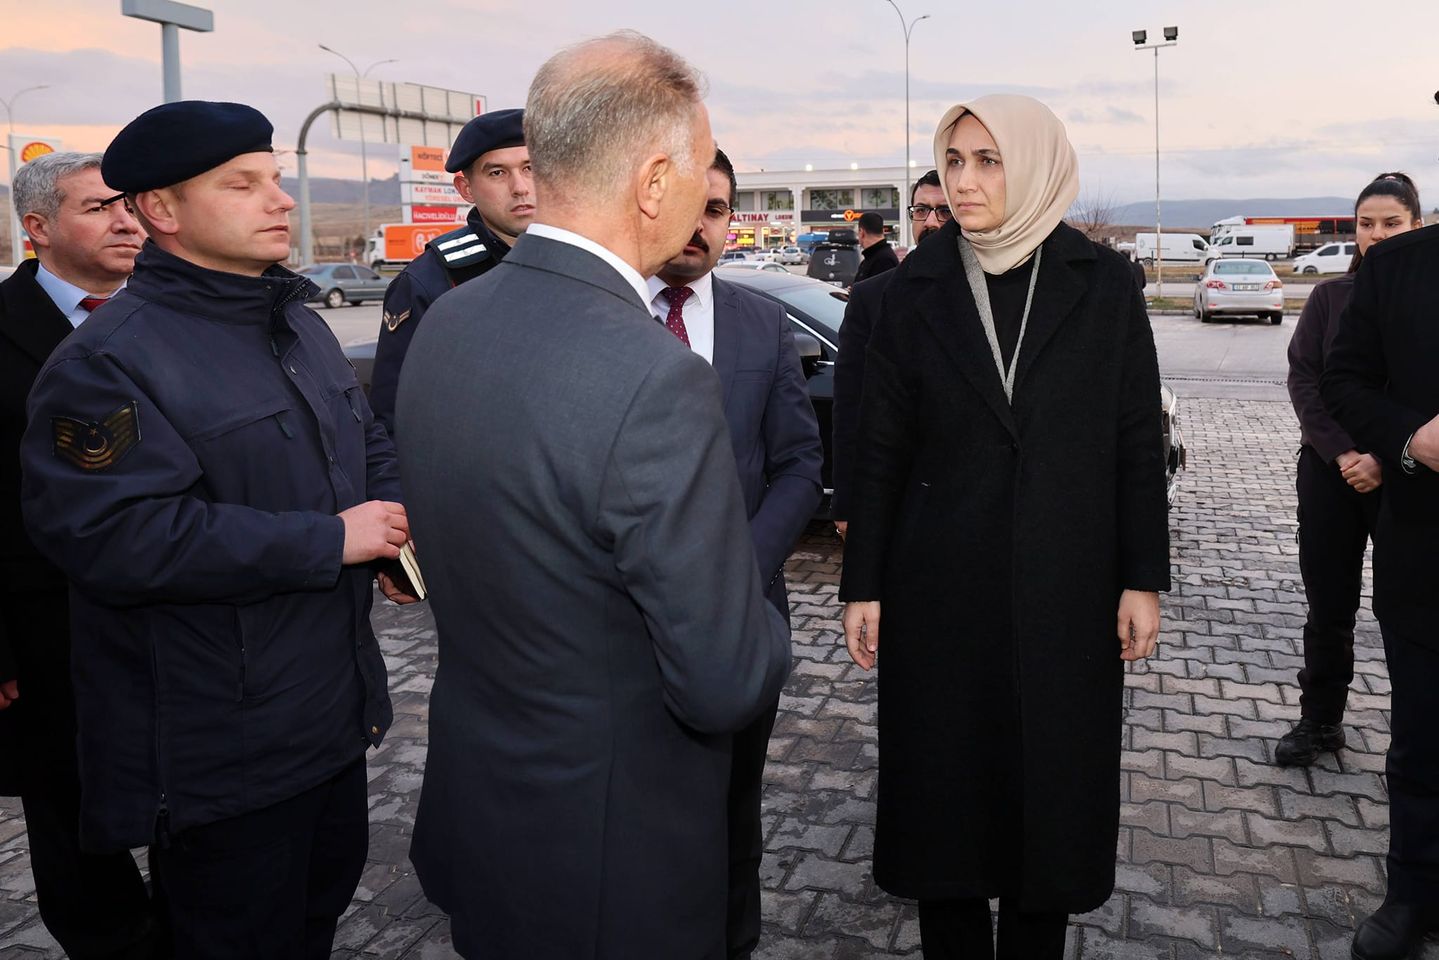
(777, 200)
(831, 199)
(880, 198)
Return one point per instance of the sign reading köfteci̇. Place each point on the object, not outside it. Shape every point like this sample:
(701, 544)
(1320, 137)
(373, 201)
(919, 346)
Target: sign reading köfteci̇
(24, 148)
(427, 192)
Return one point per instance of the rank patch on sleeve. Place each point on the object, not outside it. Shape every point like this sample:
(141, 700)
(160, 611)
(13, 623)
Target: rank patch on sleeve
(393, 320)
(96, 446)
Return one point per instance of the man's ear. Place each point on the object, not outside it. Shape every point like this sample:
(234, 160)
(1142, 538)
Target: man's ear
(653, 182)
(157, 210)
(37, 228)
(462, 184)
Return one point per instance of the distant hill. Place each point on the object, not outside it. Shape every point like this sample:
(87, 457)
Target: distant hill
(335, 190)
(1205, 213)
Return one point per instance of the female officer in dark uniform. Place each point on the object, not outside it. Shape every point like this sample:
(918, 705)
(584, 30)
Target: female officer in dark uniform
(1009, 511)
(1337, 485)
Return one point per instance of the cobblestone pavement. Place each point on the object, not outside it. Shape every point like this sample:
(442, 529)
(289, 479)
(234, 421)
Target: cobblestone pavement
(1220, 853)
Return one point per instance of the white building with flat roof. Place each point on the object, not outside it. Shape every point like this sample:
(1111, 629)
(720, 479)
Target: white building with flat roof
(776, 206)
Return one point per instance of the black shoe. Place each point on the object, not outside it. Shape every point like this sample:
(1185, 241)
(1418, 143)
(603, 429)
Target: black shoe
(1301, 746)
(1394, 932)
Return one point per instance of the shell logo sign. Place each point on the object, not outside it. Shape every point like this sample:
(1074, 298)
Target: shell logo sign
(33, 149)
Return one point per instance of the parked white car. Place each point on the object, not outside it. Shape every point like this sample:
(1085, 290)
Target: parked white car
(1239, 287)
(768, 266)
(1330, 258)
(793, 255)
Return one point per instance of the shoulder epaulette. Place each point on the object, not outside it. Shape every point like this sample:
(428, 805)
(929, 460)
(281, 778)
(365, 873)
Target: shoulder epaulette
(460, 248)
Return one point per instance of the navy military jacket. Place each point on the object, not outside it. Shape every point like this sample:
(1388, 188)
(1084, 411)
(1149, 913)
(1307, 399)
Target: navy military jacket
(189, 448)
(447, 261)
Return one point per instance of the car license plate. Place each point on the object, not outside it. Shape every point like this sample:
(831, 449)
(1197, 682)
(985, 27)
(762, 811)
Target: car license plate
(1246, 286)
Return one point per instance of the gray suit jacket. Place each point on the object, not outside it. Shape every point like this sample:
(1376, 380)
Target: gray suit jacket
(772, 425)
(602, 624)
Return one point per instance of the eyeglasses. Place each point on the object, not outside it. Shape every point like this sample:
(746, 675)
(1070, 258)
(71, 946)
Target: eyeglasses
(718, 210)
(121, 198)
(921, 211)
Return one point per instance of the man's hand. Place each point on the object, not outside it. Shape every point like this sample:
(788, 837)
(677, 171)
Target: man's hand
(861, 631)
(9, 693)
(1138, 624)
(1424, 447)
(392, 590)
(374, 530)
(841, 527)
(1360, 470)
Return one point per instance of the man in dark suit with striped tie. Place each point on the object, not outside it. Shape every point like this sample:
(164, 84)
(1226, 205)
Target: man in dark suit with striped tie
(85, 242)
(777, 447)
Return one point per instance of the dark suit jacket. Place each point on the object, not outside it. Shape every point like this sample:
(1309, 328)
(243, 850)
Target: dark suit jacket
(772, 426)
(1380, 383)
(859, 317)
(876, 259)
(602, 623)
(34, 617)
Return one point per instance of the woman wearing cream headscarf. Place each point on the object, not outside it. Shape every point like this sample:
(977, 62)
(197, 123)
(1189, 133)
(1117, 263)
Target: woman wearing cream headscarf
(1009, 520)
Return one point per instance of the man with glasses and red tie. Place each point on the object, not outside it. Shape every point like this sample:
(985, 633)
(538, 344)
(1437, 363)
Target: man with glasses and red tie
(85, 243)
(928, 211)
(777, 447)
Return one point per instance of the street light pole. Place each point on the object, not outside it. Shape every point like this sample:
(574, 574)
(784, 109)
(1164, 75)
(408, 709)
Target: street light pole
(1171, 38)
(906, 226)
(16, 246)
(364, 158)
(172, 17)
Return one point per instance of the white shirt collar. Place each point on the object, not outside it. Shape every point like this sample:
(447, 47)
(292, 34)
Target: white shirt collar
(703, 289)
(630, 274)
(65, 295)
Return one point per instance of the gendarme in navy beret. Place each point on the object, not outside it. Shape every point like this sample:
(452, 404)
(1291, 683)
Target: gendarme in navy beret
(173, 142)
(488, 131)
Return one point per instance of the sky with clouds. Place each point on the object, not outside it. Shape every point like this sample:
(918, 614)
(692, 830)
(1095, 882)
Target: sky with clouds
(1261, 98)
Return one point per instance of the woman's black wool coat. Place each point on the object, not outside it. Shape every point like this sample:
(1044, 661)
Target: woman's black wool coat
(998, 538)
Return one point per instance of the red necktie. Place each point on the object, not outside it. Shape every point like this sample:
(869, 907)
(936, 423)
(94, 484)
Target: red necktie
(91, 304)
(675, 321)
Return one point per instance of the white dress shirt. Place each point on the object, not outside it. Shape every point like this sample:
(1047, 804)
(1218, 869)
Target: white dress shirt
(65, 295)
(698, 312)
(631, 275)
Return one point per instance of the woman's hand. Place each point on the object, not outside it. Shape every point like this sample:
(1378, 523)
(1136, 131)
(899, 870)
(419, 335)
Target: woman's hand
(1360, 470)
(1138, 624)
(861, 631)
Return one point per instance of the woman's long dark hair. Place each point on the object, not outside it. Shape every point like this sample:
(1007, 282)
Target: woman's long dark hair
(1396, 185)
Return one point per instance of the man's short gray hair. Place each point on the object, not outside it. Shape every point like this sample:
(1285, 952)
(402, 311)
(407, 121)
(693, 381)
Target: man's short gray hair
(597, 108)
(37, 184)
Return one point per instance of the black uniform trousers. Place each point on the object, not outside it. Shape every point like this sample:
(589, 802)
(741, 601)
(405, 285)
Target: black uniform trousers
(1412, 769)
(271, 883)
(94, 905)
(746, 833)
(1335, 523)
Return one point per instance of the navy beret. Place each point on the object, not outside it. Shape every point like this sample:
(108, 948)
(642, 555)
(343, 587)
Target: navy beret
(488, 131)
(173, 142)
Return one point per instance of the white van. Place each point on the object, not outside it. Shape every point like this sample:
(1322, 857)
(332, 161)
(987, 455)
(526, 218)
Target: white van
(1178, 248)
(1330, 258)
(1269, 241)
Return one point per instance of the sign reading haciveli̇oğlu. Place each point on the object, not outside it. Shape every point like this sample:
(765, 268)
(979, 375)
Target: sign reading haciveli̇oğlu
(22, 149)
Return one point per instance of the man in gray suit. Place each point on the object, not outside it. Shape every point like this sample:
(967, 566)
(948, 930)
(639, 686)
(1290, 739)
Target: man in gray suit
(603, 627)
(747, 338)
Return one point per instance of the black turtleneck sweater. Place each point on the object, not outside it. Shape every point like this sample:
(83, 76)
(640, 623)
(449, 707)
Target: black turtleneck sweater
(1007, 292)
